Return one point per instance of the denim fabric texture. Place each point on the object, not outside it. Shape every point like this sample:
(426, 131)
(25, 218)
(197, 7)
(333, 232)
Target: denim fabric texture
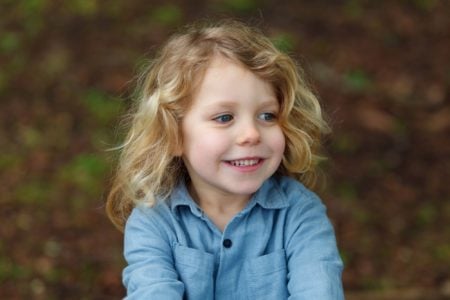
(281, 246)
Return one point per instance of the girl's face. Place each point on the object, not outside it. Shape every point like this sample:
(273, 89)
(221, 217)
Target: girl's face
(232, 141)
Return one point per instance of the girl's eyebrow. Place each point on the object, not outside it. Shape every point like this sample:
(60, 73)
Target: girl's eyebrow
(269, 102)
(229, 104)
(222, 104)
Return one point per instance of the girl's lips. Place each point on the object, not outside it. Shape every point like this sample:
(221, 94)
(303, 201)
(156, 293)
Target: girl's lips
(246, 164)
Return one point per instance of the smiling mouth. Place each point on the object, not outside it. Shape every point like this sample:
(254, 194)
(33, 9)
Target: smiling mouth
(244, 162)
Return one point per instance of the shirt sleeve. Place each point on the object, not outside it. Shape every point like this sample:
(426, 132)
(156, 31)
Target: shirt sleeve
(314, 264)
(150, 273)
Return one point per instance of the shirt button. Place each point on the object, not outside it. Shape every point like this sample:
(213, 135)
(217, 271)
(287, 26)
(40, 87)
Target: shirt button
(227, 243)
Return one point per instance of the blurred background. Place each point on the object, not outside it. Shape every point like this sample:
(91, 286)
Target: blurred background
(381, 68)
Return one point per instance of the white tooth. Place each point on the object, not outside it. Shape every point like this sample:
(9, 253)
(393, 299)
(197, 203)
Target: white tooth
(244, 162)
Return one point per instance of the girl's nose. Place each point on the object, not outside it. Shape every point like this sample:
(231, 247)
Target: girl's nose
(248, 134)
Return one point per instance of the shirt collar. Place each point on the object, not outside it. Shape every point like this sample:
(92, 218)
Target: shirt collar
(269, 196)
(181, 197)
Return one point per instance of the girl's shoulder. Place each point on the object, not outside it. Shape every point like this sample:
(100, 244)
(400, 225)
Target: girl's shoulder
(145, 214)
(164, 213)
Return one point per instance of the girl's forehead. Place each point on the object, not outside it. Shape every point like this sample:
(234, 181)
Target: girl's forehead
(221, 61)
(221, 67)
(226, 81)
(218, 64)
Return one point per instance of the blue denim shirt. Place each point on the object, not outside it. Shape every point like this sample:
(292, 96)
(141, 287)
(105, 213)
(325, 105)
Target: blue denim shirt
(281, 246)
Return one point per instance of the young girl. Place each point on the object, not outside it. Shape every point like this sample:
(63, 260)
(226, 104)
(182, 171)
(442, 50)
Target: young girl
(209, 187)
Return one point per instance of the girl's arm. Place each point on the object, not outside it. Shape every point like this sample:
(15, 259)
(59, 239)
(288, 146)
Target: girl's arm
(150, 273)
(314, 264)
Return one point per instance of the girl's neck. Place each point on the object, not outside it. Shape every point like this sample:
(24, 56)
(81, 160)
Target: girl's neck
(219, 207)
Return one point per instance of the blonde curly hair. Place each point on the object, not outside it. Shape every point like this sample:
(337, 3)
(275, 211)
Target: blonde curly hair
(149, 167)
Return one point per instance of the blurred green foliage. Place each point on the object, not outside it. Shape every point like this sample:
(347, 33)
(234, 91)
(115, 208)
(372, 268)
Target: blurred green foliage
(357, 80)
(101, 106)
(11, 271)
(168, 15)
(83, 7)
(9, 161)
(442, 253)
(9, 42)
(426, 214)
(241, 6)
(347, 191)
(36, 192)
(30, 7)
(354, 9)
(345, 143)
(285, 42)
(86, 172)
(425, 5)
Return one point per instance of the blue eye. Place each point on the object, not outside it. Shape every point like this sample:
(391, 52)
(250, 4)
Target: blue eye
(268, 117)
(224, 118)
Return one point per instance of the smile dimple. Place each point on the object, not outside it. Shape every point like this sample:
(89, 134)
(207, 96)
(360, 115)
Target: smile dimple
(244, 162)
